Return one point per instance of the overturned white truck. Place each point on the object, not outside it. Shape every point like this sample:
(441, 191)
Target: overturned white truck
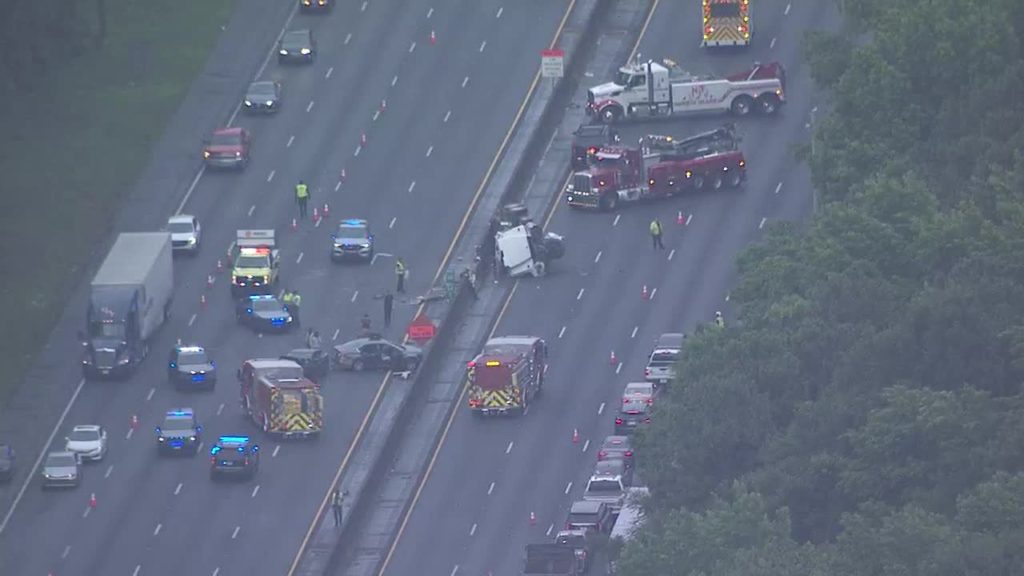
(521, 246)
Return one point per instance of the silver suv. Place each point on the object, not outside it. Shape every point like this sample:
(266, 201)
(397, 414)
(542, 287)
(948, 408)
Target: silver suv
(661, 366)
(607, 489)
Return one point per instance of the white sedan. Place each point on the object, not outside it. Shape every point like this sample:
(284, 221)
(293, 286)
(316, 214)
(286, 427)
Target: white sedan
(88, 441)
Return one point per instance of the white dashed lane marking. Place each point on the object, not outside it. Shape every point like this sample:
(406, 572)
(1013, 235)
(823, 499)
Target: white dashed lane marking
(509, 449)
(500, 10)
(177, 489)
(465, 81)
(561, 332)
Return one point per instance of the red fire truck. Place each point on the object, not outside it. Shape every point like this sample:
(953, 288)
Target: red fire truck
(660, 167)
(278, 397)
(506, 376)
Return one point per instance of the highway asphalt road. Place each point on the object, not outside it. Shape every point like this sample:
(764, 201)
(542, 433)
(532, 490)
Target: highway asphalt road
(474, 513)
(448, 107)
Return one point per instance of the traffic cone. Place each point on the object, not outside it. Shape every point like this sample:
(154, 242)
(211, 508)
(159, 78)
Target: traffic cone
(433, 37)
(575, 436)
(209, 280)
(202, 301)
(295, 223)
(645, 295)
(92, 500)
(679, 218)
(383, 105)
(533, 519)
(344, 175)
(316, 214)
(327, 210)
(362, 138)
(135, 422)
(613, 360)
(220, 265)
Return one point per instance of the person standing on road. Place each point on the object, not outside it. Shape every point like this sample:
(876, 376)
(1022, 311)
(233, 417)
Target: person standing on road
(365, 323)
(656, 234)
(389, 302)
(400, 274)
(338, 505)
(314, 340)
(296, 304)
(302, 198)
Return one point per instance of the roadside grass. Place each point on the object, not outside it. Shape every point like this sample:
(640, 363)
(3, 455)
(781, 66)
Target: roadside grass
(73, 145)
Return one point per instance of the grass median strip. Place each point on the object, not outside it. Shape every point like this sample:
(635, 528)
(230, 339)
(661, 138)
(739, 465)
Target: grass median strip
(74, 145)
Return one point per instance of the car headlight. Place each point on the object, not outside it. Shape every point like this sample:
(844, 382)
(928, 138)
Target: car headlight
(248, 103)
(206, 153)
(124, 360)
(191, 438)
(283, 52)
(305, 51)
(238, 154)
(160, 439)
(192, 241)
(289, 319)
(270, 102)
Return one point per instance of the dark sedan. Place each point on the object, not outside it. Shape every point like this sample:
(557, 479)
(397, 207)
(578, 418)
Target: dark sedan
(263, 313)
(375, 353)
(315, 363)
(297, 46)
(263, 96)
(315, 5)
(191, 367)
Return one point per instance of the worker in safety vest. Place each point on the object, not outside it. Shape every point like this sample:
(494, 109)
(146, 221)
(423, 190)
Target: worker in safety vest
(656, 234)
(400, 273)
(302, 197)
(719, 321)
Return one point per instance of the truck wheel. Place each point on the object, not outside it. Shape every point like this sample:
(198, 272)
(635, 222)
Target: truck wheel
(734, 178)
(767, 104)
(611, 114)
(539, 269)
(716, 182)
(742, 105)
(698, 182)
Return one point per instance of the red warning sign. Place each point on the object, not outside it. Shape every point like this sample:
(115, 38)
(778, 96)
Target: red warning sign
(421, 329)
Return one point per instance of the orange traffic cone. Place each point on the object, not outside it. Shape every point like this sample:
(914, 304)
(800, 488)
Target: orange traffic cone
(362, 138)
(316, 214)
(92, 500)
(327, 210)
(433, 37)
(575, 436)
(295, 223)
(135, 422)
(383, 105)
(645, 295)
(209, 280)
(344, 175)
(613, 360)
(202, 301)
(220, 265)
(533, 519)
(679, 218)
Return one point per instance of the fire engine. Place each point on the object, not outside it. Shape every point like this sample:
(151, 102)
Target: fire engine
(256, 263)
(726, 22)
(507, 375)
(278, 397)
(659, 168)
(644, 89)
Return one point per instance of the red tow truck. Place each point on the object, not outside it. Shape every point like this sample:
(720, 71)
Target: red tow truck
(659, 167)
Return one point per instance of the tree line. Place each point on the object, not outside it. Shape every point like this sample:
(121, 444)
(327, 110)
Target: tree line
(37, 36)
(864, 417)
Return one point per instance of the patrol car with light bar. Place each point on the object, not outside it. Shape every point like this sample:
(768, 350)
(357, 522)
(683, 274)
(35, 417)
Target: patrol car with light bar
(234, 456)
(264, 314)
(191, 367)
(352, 240)
(179, 433)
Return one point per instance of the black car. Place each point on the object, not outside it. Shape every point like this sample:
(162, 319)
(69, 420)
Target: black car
(6, 463)
(191, 367)
(587, 140)
(631, 417)
(315, 5)
(263, 96)
(297, 46)
(263, 313)
(179, 433)
(352, 240)
(234, 456)
(315, 363)
(375, 353)
(588, 515)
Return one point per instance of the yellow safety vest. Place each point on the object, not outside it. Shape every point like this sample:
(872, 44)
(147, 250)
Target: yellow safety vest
(399, 269)
(655, 228)
(301, 191)
(296, 300)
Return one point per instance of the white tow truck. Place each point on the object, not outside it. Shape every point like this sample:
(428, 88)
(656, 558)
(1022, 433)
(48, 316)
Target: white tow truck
(645, 89)
(521, 247)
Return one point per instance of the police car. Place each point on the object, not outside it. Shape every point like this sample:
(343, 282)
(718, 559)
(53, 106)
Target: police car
(179, 433)
(191, 367)
(263, 313)
(352, 240)
(234, 456)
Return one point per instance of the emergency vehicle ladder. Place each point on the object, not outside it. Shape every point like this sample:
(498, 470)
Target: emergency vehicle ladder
(723, 139)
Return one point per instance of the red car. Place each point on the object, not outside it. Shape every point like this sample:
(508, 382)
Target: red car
(228, 148)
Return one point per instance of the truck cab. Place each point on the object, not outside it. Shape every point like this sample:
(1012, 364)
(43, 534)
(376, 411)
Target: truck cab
(256, 264)
(521, 247)
(616, 173)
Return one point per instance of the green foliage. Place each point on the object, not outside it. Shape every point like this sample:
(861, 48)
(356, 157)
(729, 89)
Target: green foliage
(866, 417)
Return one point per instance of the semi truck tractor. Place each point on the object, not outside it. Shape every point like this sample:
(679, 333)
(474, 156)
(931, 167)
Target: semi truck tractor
(129, 299)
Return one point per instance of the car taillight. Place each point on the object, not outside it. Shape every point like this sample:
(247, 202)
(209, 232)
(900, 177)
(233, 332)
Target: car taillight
(601, 455)
(629, 453)
(213, 459)
(647, 371)
(647, 420)
(650, 400)
(246, 461)
(618, 421)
